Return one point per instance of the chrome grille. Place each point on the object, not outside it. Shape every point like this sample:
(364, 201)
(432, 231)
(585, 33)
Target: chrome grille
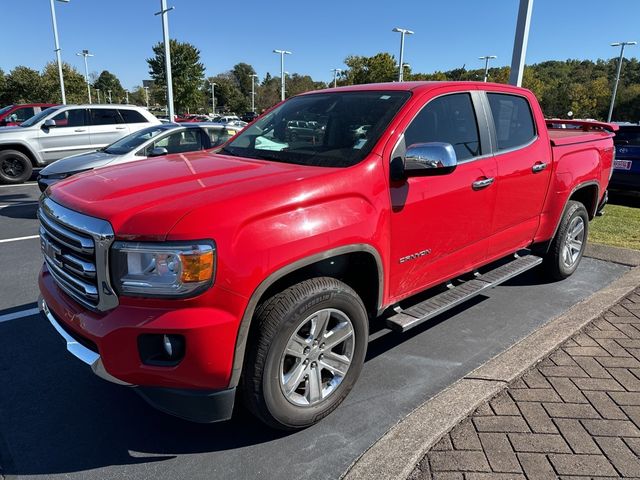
(75, 249)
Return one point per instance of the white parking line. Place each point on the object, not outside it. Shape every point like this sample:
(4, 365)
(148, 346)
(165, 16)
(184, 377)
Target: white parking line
(7, 240)
(19, 314)
(19, 185)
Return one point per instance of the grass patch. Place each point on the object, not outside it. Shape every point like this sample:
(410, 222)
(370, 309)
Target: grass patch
(618, 227)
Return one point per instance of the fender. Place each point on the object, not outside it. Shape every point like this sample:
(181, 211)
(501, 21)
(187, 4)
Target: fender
(12, 144)
(245, 322)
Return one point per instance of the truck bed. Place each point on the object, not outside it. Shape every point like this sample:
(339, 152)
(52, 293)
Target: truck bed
(578, 131)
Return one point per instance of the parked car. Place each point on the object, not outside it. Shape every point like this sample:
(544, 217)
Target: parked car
(65, 130)
(249, 117)
(154, 141)
(257, 271)
(303, 130)
(13, 115)
(626, 166)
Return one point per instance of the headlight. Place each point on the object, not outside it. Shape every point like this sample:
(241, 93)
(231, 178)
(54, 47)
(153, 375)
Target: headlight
(163, 269)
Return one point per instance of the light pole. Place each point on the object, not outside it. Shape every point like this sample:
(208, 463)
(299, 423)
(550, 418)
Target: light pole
(402, 32)
(520, 42)
(126, 93)
(282, 53)
(336, 72)
(253, 92)
(85, 54)
(146, 96)
(615, 85)
(98, 92)
(109, 96)
(167, 55)
(213, 96)
(56, 44)
(486, 59)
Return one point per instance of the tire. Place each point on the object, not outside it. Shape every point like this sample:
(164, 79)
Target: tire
(567, 247)
(15, 167)
(273, 384)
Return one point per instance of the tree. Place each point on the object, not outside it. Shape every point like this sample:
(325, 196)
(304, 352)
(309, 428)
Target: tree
(268, 93)
(296, 84)
(23, 85)
(242, 73)
(108, 81)
(4, 98)
(75, 87)
(378, 68)
(187, 73)
(229, 97)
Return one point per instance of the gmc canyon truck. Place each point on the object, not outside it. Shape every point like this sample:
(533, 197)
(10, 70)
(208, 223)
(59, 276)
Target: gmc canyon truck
(254, 270)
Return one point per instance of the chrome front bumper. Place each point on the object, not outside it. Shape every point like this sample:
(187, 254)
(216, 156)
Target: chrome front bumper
(78, 350)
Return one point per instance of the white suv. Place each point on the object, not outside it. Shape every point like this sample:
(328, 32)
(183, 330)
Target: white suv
(65, 130)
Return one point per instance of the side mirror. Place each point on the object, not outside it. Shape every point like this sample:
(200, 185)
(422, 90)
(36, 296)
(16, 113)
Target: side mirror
(428, 159)
(49, 123)
(158, 152)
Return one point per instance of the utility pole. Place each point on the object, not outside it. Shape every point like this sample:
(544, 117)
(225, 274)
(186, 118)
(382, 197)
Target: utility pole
(486, 59)
(146, 96)
(402, 32)
(56, 44)
(253, 92)
(520, 42)
(615, 85)
(213, 97)
(85, 54)
(126, 92)
(98, 92)
(167, 56)
(282, 54)
(109, 96)
(336, 72)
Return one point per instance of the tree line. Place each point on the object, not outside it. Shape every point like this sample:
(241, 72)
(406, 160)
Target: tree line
(582, 87)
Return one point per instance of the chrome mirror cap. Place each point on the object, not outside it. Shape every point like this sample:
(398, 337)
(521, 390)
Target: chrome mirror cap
(432, 158)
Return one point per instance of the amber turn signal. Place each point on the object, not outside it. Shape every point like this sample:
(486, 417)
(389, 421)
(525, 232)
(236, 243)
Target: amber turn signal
(197, 267)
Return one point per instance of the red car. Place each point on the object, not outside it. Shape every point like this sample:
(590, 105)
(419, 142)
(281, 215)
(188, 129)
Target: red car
(12, 115)
(255, 270)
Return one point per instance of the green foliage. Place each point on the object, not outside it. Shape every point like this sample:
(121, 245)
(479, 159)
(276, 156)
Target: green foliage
(187, 73)
(4, 98)
(75, 87)
(378, 68)
(108, 81)
(23, 85)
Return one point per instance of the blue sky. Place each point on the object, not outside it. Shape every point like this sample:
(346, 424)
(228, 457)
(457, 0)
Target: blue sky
(320, 34)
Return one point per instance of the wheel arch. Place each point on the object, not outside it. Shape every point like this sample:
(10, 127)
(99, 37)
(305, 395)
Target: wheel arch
(315, 265)
(22, 148)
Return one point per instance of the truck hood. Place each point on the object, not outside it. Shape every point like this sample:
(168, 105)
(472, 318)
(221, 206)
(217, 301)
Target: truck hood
(144, 200)
(78, 163)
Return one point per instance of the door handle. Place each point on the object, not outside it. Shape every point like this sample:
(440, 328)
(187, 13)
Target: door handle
(538, 167)
(80, 130)
(480, 184)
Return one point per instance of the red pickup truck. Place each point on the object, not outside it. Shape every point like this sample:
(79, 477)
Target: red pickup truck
(254, 270)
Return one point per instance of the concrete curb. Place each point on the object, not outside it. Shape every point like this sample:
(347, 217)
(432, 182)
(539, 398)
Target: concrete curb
(395, 454)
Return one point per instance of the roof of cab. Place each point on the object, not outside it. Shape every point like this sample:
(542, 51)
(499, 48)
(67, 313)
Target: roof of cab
(414, 86)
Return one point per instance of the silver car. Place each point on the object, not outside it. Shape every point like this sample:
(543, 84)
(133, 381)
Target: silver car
(153, 141)
(65, 130)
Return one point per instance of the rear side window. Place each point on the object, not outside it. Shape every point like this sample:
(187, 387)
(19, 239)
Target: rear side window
(512, 119)
(71, 118)
(131, 116)
(105, 116)
(450, 119)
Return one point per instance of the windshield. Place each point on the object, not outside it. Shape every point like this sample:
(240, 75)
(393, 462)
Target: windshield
(627, 136)
(335, 129)
(39, 116)
(128, 143)
(5, 109)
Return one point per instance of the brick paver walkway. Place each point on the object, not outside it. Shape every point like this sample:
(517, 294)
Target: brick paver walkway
(574, 415)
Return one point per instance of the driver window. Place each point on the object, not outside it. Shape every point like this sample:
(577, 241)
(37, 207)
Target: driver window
(450, 119)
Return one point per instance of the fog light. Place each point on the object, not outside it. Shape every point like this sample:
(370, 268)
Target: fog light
(162, 350)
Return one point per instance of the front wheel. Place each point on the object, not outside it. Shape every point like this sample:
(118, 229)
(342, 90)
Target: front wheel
(567, 247)
(308, 350)
(15, 167)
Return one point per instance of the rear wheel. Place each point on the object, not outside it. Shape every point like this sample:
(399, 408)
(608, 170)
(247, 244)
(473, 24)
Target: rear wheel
(15, 167)
(307, 352)
(569, 243)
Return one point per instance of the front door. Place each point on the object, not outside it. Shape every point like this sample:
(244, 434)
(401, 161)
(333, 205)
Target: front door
(440, 224)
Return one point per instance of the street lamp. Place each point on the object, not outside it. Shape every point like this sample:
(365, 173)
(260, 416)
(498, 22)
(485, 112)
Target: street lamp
(336, 72)
(146, 96)
(126, 92)
(253, 92)
(615, 85)
(98, 92)
(402, 32)
(213, 96)
(282, 53)
(56, 44)
(85, 54)
(167, 55)
(486, 59)
(109, 96)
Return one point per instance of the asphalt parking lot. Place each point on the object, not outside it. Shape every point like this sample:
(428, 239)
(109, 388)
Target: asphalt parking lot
(58, 420)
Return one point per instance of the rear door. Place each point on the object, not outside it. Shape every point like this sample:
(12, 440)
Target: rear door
(440, 225)
(523, 160)
(70, 135)
(106, 126)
